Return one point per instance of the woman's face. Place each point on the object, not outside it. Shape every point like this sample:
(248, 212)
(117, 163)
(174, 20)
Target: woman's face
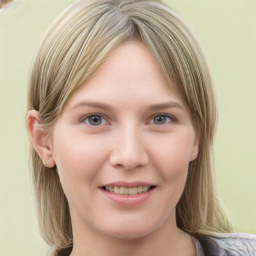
(122, 147)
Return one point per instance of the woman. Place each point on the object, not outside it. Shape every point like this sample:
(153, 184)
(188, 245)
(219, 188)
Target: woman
(122, 116)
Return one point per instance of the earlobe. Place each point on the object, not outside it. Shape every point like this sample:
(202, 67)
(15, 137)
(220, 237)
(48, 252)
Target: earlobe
(195, 149)
(194, 155)
(39, 138)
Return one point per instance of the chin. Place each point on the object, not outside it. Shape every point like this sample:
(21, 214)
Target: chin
(131, 231)
(129, 234)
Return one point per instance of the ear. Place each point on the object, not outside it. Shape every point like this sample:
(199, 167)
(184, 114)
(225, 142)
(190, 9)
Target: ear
(195, 148)
(40, 138)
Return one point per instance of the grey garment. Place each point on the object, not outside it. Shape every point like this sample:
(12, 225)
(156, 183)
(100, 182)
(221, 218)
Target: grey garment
(232, 244)
(199, 249)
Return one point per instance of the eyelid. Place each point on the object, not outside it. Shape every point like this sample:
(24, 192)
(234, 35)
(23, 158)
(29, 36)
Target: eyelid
(82, 120)
(172, 117)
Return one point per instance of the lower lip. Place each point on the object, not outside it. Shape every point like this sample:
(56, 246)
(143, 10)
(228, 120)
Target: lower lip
(128, 200)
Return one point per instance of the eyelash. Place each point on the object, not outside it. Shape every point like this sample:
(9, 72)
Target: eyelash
(102, 118)
(86, 118)
(166, 116)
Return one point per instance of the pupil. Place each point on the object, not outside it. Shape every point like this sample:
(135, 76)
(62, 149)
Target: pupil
(160, 119)
(94, 120)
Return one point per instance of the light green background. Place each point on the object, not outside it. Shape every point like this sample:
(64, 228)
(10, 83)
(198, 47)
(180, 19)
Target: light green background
(227, 31)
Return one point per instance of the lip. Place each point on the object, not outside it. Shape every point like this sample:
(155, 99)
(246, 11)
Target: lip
(128, 200)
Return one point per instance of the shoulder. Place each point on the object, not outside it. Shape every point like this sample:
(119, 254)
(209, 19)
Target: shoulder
(230, 244)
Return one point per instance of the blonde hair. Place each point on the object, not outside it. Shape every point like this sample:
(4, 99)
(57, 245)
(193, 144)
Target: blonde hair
(73, 48)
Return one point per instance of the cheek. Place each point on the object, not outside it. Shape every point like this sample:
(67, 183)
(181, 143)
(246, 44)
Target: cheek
(171, 154)
(172, 163)
(78, 159)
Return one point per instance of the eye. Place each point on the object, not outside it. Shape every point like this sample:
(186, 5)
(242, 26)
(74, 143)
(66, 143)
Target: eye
(161, 119)
(95, 120)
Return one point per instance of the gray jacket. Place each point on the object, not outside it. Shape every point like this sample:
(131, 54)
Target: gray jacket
(230, 244)
(234, 244)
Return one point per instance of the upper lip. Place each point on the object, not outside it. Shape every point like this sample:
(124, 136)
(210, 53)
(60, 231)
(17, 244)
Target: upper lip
(128, 184)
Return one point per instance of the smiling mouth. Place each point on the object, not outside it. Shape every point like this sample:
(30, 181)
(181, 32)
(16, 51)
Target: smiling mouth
(128, 191)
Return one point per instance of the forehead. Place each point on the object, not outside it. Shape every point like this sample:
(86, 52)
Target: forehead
(129, 74)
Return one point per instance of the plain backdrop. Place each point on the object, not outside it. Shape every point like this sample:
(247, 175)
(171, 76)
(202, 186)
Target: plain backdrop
(227, 31)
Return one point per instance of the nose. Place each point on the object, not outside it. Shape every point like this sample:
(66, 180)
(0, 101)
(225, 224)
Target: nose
(128, 150)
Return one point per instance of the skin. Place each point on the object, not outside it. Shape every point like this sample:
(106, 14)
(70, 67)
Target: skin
(127, 97)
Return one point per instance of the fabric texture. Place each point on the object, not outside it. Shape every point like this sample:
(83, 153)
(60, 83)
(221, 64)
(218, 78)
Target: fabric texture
(230, 244)
(233, 244)
(199, 249)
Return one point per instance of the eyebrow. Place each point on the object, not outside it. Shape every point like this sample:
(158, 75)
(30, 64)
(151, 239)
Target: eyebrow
(92, 104)
(168, 104)
(156, 106)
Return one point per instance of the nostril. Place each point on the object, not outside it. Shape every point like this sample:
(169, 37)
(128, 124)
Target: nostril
(128, 160)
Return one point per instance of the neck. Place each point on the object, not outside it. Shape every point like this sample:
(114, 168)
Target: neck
(165, 240)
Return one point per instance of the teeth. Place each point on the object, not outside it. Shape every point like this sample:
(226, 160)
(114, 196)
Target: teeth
(133, 191)
(144, 189)
(128, 191)
(124, 191)
(140, 189)
(117, 190)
